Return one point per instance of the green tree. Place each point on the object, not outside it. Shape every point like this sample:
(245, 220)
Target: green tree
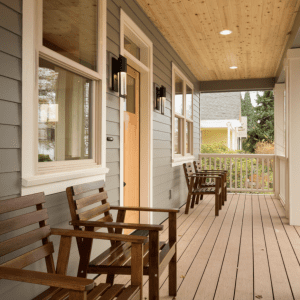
(247, 110)
(263, 128)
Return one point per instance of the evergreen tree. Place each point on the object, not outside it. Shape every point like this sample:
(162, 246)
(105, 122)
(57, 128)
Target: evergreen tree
(247, 110)
(263, 129)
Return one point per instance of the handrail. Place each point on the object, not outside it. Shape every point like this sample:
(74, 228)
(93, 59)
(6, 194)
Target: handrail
(246, 172)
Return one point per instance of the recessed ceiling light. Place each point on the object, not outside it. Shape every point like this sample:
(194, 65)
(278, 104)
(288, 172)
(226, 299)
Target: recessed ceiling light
(226, 32)
(233, 67)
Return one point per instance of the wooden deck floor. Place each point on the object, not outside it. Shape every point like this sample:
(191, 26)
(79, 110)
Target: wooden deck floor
(248, 252)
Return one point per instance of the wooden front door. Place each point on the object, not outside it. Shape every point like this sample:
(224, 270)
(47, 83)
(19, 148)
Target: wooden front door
(132, 146)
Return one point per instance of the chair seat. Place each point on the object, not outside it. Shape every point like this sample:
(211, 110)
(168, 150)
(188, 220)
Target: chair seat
(118, 257)
(103, 291)
(209, 184)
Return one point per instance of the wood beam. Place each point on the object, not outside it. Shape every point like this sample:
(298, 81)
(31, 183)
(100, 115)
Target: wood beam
(257, 84)
(289, 44)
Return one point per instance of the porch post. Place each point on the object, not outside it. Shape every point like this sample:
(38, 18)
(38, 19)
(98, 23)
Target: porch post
(293, 125)
(228, 135)
(279, 134)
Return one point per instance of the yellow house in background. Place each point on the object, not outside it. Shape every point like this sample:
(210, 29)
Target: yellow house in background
(221, 120)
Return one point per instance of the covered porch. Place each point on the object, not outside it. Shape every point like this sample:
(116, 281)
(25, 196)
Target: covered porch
(248, 252)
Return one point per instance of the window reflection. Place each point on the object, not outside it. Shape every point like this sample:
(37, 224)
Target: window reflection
(177, 136)
(189, 102)
(178, 95)
(67, 31)
(64, 114)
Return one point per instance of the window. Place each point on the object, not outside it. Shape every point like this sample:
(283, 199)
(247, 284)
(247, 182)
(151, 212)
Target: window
(64, 107)
(182, 112)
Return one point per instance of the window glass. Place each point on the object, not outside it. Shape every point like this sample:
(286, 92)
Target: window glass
(177, 136)
(64, 114)
(67, 31)
(178, 95)
(130, 99)
(189, 102)
(132, 48)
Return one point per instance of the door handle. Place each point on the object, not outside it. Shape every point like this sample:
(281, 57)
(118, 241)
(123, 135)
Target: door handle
(124, 184)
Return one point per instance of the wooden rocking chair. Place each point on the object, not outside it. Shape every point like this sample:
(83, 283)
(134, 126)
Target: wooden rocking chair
(196, 188)
(117, 259)
(222, 173)
(61, 286)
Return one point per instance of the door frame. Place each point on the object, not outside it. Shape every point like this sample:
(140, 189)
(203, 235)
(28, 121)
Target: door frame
(128, 27)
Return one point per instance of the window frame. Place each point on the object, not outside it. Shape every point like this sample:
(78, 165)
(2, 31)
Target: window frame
(179, 159)
(52, 177)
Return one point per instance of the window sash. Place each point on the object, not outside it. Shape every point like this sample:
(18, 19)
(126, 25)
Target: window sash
(77, 68)
(186, 121)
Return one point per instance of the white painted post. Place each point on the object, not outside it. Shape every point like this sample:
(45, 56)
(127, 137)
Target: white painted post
(228, 135)
(279, 142)
(293, 145)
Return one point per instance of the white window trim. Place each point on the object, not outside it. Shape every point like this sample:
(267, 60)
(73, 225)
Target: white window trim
(35, 177)
(146, 114)
(179, 159)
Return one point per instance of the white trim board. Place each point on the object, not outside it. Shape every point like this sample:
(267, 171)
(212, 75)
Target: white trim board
(145, 67)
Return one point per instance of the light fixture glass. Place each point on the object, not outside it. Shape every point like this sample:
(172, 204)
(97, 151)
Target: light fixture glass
(226, 32)
(163, 95)
(233, 67)
(119, 75)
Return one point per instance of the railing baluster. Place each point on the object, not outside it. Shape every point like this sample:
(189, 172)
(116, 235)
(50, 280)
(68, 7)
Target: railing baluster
(235, 176)
(257, 161)
(241, 173)
(263, 174)
(246, 175)
(230, 174)
(205, 163)
(268, 165)
(251, 174)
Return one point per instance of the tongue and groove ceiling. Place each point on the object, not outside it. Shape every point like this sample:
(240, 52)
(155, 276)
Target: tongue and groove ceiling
(260, 32)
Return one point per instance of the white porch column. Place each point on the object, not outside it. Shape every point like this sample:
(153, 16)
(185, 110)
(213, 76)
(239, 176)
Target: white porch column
(279, 138)
(293, 125)
(228, 135)
(234, 139)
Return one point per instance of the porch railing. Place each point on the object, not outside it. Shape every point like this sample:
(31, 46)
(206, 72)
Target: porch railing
(246, 172)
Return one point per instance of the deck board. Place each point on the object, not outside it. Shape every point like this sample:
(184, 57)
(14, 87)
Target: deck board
(248, 251)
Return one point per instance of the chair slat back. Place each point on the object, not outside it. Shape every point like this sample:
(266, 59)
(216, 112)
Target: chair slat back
(197, 166)
(39, 233)
(188, 170)
(84, 208)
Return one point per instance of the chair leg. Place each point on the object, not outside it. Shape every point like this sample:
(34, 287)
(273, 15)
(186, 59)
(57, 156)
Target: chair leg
(173, 261)
(110, 278)
(197, 199)
(216, 205)
(201, 197)
(75, 295)
(193, 201)
(188, 201)
(153, 265)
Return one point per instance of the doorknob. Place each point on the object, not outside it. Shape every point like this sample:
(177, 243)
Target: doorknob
(124, 183)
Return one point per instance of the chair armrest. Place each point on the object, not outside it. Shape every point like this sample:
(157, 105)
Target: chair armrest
(99, 235)
(169, 210)
(204, 176)
(48, 279)
(117, 225)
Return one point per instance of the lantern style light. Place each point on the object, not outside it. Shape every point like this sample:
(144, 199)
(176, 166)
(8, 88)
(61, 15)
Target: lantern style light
(119, 75)
(163, 95)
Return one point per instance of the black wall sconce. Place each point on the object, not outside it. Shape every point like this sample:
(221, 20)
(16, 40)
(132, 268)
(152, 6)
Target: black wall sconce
(119, 74)
(159, 98)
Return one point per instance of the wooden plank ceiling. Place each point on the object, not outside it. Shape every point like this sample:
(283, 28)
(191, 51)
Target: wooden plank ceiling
(260, 31)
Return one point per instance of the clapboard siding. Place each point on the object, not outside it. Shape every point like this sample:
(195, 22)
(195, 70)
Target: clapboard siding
(10, 97)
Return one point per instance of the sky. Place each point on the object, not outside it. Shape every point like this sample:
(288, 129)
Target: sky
(253, 96)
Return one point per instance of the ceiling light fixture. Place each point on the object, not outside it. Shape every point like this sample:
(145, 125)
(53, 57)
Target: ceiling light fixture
(226, 32)
(233, 67)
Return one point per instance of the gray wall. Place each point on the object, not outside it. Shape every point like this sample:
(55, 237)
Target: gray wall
(220, 106)
(165, 177)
